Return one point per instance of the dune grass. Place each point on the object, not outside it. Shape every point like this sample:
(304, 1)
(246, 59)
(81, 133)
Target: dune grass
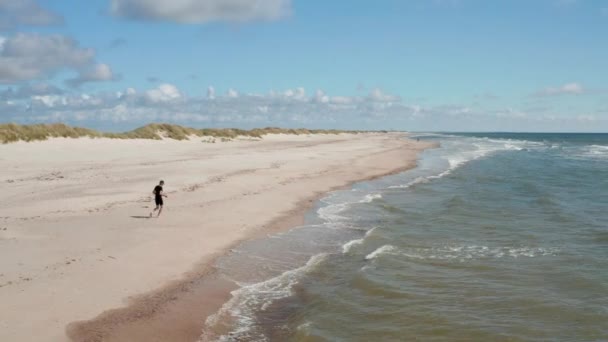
(12, 132)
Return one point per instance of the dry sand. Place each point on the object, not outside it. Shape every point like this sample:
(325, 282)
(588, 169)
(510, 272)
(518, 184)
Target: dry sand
(75, 240)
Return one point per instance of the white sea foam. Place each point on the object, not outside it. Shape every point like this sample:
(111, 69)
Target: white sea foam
(331, 212)
(596, 151)
(463, 253)
(370, 232)
(357, 242)
(460, 154)
(349, 245)
(386, 249)
(370, 197)
(304, 326)
(249, 299)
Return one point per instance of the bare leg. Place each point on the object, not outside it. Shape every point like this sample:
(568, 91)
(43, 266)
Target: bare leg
(160, 209)
(155, 209)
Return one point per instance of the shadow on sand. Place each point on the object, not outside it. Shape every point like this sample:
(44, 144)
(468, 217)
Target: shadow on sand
(141, 217)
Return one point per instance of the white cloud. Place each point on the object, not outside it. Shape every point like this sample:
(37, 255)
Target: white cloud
(377, 95)
(167, 103)
(29, 90)
(566, 89)
(31, 56)
(96, 73)
(320, 97)
(263, 109)
(25, 12)
(130, 91)
(210, 93)
(49, 100)
(343, 100)
(231, 93)
(164, 93)
(201, 11)
(296, 94)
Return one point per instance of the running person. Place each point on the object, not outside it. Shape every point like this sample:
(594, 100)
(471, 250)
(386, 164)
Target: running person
(158, 198)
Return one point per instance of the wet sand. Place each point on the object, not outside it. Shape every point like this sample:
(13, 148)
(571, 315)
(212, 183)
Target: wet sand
(78, 253)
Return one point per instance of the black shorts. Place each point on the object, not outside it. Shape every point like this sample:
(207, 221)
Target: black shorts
(158, 200)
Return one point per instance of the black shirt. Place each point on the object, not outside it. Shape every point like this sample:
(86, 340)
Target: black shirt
(157, 190)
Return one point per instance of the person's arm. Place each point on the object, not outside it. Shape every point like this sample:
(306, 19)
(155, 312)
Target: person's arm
(162, 193)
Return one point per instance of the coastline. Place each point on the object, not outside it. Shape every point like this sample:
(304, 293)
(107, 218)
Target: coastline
(177, 309)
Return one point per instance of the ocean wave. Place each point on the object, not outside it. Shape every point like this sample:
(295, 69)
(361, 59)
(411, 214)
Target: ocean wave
(596, 151)
(370, 232)
(386, 249)
(463, 253)
(472, 150)
(357, 242)
(349, 245)
(247, 300)
(370, 197)
(331, 212)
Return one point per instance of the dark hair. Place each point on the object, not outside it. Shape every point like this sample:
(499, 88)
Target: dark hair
(162, 181)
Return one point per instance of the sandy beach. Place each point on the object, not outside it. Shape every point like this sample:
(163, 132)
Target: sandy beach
(79, 254)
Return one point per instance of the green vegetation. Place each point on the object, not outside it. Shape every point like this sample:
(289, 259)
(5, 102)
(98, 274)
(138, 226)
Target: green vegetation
(13, 132)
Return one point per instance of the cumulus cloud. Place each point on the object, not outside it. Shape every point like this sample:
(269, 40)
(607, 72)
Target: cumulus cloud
(48, 101)
(320, 97)
(566, 89)
(201, 11)
(296, 94)
(288, 108)
(31, 56)
(164, 93)
(231, 93)
(96, 73)
(15, 13)
(210, 93)
(342, 100)
(167, 103)
(28, 56)
(29, 90)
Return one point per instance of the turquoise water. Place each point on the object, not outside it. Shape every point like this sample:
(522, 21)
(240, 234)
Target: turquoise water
(493, 237)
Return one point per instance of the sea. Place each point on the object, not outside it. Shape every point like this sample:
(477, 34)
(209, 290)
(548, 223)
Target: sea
(492, 237)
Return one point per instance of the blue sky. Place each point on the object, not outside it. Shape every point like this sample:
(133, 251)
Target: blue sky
(450, 65)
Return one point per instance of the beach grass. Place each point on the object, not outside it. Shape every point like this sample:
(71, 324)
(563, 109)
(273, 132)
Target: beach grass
(13, 132)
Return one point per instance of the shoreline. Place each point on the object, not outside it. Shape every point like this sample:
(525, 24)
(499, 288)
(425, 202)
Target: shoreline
(176, 310)
(180, 296)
